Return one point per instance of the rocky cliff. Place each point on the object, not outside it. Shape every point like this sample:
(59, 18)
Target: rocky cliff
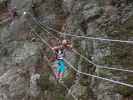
(25, 73)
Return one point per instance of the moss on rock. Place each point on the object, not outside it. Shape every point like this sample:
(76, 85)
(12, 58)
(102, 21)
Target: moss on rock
(124, 90)
(45, 83)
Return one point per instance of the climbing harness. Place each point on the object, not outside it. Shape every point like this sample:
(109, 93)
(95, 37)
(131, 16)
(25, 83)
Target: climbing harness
(59, 53)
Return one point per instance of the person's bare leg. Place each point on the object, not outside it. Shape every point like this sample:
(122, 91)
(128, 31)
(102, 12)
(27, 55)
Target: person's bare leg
(57, 75)
(61, 75)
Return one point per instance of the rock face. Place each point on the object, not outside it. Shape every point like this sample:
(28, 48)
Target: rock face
(25, 76)
(104, 19)
(19, 58)
(17, 66)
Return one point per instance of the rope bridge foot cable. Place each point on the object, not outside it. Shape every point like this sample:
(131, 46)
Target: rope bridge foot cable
(100, 66)
(87, 74)
(98, 77)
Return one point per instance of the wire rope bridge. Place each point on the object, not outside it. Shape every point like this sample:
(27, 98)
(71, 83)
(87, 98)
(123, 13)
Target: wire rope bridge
(48, 29)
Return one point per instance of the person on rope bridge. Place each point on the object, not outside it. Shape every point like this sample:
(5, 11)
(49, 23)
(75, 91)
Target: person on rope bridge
(59, 56)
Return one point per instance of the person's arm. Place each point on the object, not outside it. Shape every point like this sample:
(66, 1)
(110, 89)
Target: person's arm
(56, 48)
(70, 46)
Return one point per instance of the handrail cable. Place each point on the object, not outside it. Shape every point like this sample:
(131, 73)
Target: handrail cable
(91, 38)
(83, 73)
(85, 37)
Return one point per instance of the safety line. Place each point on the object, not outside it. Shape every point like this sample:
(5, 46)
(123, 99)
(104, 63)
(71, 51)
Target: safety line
(85, 37)
(96, 65)
(90, 38)
(87, 74)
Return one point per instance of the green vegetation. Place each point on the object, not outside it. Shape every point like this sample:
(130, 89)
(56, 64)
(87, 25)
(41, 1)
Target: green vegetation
(50, 53)
(121, 54)
(84, 82)
(104, 72)
(108, 59)
(126, 28)
(60, 97)
(69, 78)
(126, 91)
